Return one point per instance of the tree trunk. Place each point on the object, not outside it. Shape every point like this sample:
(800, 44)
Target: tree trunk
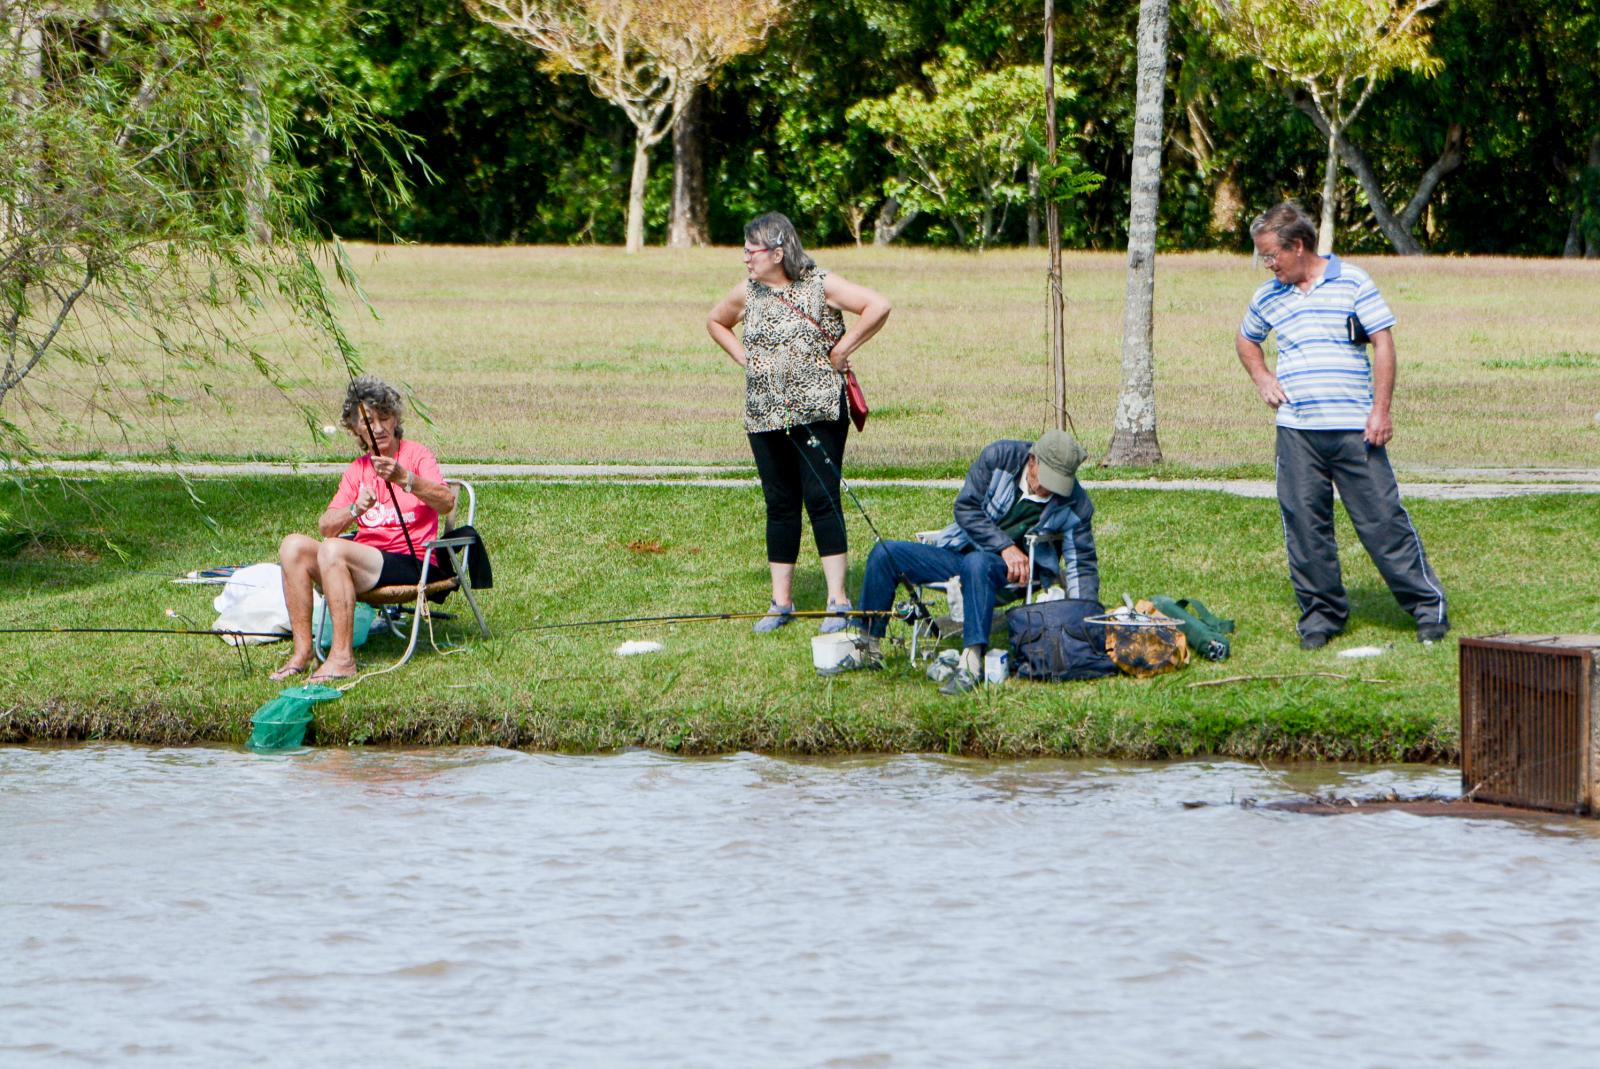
(257, 135)
(1397, 228)
(27, 39)
(1227, 205)
(1133, 435)
(1033, 205)
(689, 227)
(1052, 232)
(1584, 240)
(855, 216)
(886, 227)
(1330, 194)
(641, 172)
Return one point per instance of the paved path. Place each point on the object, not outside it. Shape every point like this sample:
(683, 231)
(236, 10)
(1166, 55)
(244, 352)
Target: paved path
(1441, 484)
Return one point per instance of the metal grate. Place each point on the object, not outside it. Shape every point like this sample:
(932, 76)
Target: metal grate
(1528, 721)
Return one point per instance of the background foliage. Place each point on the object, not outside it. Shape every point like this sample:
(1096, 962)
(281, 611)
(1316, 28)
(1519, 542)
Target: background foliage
(524, 156)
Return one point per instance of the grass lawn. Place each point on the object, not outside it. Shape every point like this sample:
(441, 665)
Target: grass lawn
(82, 553)
(586, 354)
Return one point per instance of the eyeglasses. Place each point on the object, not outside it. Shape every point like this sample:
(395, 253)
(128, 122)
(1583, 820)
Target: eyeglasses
(1270, 259)
(765, 248)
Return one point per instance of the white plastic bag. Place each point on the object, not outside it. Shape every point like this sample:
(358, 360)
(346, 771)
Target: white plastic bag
(952, 593)
(252, 600)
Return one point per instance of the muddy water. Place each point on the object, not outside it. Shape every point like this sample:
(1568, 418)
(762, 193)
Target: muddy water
(208, 907)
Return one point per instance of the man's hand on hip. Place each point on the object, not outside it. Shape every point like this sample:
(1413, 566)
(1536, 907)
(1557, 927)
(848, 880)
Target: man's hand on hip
(1016, 564)
(1270, 390)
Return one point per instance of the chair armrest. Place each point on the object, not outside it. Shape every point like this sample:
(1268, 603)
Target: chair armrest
(448, 543)
(927, 537)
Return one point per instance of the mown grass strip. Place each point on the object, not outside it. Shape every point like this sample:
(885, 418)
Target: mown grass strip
(582, 552)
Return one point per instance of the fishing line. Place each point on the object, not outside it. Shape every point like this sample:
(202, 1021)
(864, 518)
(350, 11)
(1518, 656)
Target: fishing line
(138, 631)
(240, 647)
(405, 530)
(372, 444)
(918, 611)
(918, 608)
(687, 618)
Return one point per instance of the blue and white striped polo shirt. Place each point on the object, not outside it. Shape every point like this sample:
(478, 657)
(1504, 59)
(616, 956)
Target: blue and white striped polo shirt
(1327, 379)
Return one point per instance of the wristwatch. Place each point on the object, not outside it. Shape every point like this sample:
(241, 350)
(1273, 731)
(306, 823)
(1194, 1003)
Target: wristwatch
(411, 478)
(355, 511)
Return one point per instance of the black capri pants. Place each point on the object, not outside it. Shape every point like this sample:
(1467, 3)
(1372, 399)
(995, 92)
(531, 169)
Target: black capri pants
(790, 479)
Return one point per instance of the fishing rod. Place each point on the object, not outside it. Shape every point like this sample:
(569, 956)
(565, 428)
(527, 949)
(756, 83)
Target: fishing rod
(687, 618)
(372, 444)
(241, 647)
(139, 631)
(917, 610)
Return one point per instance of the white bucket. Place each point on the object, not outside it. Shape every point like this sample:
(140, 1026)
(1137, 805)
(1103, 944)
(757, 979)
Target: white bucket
(997, 666)
(833, 653)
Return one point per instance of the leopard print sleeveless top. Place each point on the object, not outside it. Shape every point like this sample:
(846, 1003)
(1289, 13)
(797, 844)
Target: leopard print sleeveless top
(788, 380)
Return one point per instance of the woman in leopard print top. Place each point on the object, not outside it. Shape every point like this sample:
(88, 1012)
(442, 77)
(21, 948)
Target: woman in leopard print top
(795, 351)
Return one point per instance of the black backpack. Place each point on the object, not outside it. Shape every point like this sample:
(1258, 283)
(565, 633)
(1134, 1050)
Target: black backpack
(1050, 640)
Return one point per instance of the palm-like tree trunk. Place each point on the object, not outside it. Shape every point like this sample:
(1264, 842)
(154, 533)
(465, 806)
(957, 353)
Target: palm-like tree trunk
(1133, 437)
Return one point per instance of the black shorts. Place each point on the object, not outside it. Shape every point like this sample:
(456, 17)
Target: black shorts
(402, 569)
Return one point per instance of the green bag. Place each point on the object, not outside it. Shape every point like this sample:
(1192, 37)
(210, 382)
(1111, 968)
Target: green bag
(1207, 633)
(361, 624)
(281, 723)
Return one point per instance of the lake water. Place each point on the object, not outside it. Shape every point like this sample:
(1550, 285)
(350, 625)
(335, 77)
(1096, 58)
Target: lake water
(210, 907)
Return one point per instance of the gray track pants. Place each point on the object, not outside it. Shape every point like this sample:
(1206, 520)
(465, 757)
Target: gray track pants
(1310, 465)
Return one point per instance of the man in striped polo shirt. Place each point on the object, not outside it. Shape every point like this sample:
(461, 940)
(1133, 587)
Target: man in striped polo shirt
(1333, 424)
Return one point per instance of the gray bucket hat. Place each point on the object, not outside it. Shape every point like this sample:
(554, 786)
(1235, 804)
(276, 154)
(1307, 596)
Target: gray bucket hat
(1059, 455)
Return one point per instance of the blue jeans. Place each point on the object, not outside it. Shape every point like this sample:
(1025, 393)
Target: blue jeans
(982, 577)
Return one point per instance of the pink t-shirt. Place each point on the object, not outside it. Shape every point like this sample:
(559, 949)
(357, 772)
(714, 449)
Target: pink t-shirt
(378, 526)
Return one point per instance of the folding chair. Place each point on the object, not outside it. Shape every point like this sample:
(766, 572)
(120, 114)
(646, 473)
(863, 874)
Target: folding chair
(933, 629)
(395, 602)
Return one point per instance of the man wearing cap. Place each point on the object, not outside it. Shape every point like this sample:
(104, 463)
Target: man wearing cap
(1013, 489)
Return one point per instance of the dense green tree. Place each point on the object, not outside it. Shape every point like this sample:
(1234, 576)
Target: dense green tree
(150, 202)
(646, 57)
(517, 155)
(525, 155)
(962, 144)
(1334, 54)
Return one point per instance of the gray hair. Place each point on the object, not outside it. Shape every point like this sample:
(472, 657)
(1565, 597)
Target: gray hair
(1289, 222)
(774, 231)
(379, 399)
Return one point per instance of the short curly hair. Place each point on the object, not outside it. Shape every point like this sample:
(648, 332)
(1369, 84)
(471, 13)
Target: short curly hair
(377, 397)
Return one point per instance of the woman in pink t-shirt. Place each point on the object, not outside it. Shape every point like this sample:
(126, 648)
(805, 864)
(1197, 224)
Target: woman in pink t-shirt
(387, 548)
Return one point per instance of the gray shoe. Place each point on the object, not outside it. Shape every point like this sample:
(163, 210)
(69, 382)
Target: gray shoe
(963, 682)
(834, 624)
(1428, 634)
(776, 617)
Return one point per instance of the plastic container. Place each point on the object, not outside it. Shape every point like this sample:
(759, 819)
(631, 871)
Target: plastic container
(997, 666)
(835, 653)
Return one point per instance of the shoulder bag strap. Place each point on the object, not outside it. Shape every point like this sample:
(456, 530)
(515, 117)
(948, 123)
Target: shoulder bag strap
(802, 313)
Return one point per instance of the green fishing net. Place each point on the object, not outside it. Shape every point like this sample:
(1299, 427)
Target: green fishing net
(281, 723)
